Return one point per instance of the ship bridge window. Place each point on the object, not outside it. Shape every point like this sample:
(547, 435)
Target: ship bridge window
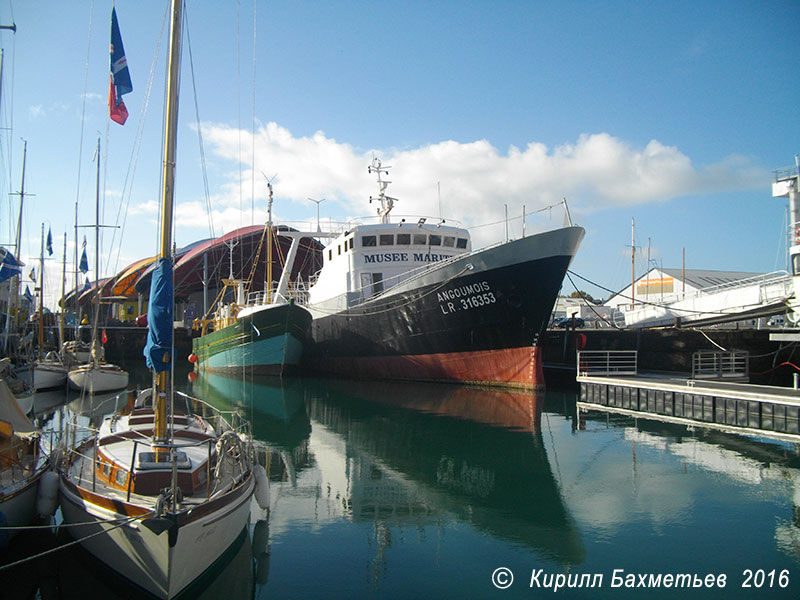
(330, 254)
(350, 243)
(420, 239)
(449, 241)
(461, 243)
(387, 239)
(796, 264)
(368, 240)
(436, 240)
(403, 239)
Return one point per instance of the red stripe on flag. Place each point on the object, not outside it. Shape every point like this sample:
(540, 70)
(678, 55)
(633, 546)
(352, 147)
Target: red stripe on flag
(117, 113)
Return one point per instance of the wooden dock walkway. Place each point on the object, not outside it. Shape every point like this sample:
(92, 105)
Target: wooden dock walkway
(713, 396)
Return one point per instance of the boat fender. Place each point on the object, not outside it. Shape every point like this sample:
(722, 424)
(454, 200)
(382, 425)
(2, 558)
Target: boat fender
(47, 498)
(262, 486)
(261, 537)
(580, 341)
(193, 358)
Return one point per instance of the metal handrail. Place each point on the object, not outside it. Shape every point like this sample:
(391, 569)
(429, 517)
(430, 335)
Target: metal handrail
(718, 365)
(607, 362)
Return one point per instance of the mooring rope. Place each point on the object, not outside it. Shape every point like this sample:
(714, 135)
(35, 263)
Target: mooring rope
(78, 541)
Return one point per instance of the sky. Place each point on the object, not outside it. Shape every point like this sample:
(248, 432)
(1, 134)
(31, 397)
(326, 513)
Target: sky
(668, 115)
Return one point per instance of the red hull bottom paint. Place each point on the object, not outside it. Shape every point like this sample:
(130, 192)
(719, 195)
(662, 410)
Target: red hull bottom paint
(510, 367)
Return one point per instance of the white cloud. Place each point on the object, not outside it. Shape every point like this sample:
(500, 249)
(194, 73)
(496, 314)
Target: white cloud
(597, 172)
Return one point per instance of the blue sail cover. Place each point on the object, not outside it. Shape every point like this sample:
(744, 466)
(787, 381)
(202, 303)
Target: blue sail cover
(9, 265)
(157, 351)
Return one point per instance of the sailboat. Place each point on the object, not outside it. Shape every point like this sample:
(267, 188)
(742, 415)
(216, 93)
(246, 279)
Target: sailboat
(48, 371)
(22, 465)
(263, 332)
(159, 493)
(96, 375)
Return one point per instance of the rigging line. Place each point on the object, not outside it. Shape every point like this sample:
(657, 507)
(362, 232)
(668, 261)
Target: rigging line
(516, 218)
(239, 119)
(657, 305)
(253, 133)
(705, 335)
(588, 304)
(411, 299)
(72, 543)
(80, 143)
(203, 167)
(138, 137)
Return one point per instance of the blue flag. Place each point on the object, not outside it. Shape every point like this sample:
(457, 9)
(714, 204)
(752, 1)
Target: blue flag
(49, 242)
(84, 266)
(120, 75)
(9, 265)
(27, 295)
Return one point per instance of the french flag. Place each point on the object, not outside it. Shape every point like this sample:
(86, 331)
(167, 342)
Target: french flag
(120, 81)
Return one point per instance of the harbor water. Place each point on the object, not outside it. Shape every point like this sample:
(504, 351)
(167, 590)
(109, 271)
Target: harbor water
(401, 490)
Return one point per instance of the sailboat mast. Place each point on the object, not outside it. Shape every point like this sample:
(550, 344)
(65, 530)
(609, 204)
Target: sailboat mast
(270, 237)
(41, 295)
(171, 134)
(97, 220)
(170, 144)
(63, 292)
(18, 241)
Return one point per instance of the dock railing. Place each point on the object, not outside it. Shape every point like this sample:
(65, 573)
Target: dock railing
(720, 365)
(607, 362)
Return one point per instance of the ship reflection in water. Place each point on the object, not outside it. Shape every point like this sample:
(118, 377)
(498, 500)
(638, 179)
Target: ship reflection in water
(411, 454)
(400, 490)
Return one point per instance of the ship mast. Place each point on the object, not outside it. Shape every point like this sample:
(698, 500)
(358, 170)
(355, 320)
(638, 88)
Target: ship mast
(387, 202)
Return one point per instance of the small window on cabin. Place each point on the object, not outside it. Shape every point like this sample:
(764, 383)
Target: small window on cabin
(339, 247)
(121, 477)
(403, 239)
(368, 240)
(449, 241)
(330, 254)
(387, 239)
(350, 243)
(420, 239)
(436, 240)
(106, 470)
(461, 243)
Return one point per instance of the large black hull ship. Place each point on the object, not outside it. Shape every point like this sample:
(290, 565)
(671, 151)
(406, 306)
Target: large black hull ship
(474, 318)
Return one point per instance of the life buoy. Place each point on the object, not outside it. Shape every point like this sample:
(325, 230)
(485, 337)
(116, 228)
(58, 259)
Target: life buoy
(580, 341)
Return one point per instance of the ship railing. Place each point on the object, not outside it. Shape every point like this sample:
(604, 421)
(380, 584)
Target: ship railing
(771, 286)
(297, 290)
(338, 227)
(786, 173)
(221, 422)
(720, 365)
(607, 363)
(390, 283)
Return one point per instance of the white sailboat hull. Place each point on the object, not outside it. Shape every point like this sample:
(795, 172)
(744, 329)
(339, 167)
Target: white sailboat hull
(147, 559)
(45, 376)
(98, 378)
(18, 500)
